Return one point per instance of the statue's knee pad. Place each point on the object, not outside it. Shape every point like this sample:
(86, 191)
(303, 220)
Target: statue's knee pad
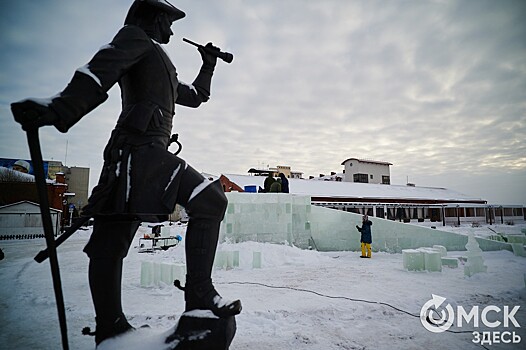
(210, 203)
(111, 238)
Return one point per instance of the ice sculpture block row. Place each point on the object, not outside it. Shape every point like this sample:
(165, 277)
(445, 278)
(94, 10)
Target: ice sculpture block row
(516, 239)
(509, 238)
(226, 259)
(152, 273)
(429, 259)
(230, 259)
(287, 218)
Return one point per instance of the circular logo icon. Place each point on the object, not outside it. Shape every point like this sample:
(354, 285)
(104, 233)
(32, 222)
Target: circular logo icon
(435, 317)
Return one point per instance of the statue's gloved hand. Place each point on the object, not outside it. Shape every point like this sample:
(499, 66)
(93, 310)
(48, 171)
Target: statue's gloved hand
(31, 114)
(209, 59)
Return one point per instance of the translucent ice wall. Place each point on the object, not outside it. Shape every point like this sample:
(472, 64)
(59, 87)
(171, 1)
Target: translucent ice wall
(267, 217)
(281, 217)
(336, 230)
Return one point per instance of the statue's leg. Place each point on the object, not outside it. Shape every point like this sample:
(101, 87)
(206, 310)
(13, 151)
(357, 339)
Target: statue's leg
(107, 247)
(205, 203)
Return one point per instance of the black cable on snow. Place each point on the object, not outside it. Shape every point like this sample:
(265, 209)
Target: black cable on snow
(338, 297)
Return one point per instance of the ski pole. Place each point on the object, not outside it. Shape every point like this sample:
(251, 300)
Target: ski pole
(225, 56)
(44, 254)
(40, 180)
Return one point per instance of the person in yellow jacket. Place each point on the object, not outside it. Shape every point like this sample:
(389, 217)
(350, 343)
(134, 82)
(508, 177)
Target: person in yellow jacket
(366, 237)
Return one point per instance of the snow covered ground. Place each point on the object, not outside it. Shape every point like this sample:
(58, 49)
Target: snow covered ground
(279, 312)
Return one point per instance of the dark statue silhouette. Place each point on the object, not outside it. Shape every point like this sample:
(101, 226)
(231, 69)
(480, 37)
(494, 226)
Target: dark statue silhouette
(140, 179)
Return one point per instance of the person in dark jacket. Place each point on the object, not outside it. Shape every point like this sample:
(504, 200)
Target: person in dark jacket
(276, 186)
(366, 236)
(269, 180)
(284, 183)
(140, 180)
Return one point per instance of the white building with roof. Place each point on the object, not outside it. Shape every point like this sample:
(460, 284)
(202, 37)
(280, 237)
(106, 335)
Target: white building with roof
(395, 202)
(23, 219)
(366, 171)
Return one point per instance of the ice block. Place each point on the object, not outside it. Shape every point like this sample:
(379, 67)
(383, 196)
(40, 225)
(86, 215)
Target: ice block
(413, 259)
(146, 274)
(450, 262)
(256, 260)
(441, 249)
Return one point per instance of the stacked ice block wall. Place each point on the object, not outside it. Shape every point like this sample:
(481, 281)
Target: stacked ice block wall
(281, 217)
(267, 217)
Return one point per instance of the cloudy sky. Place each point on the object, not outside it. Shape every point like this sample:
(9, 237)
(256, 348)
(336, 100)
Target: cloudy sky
(438, 88)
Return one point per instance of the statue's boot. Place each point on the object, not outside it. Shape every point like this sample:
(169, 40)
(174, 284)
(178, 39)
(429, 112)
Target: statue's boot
(206, 210)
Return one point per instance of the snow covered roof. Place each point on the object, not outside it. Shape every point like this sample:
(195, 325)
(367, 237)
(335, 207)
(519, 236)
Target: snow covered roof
(367, 161)
(354, 190)
(16, 174)
(210, 176)
(19, 176)
(331, 177)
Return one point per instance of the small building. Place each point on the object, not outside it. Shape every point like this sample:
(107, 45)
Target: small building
(366, 171)
(77, 179)
(22, 187)
(24, 219)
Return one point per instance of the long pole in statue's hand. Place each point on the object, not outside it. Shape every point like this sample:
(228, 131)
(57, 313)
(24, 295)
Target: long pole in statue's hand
(225, 56)
(40, 180)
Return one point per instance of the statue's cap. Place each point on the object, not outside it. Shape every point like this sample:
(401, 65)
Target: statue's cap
(162, 5)
(167, 7)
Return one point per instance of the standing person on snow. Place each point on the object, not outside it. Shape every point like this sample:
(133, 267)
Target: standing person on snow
(269, 180)
(366, 237)
(276, 186)
(140, 179)
(284, 183)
